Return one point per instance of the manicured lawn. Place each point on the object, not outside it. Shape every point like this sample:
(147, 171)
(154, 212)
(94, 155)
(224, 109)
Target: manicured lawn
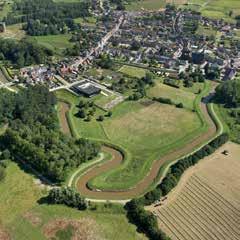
(24, 218)
(144, 129)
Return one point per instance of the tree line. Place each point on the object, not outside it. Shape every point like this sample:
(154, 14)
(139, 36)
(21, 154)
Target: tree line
(34, 135)
(146, 221)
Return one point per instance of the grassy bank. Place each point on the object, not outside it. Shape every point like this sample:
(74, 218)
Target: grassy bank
(145, 130)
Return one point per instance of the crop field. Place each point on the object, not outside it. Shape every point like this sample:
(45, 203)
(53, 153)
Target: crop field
(206, 202)
(152, 126)
(23, 218)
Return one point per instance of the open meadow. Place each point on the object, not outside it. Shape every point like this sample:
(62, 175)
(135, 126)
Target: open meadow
(23, 218)
(206, 202)
(146, 131)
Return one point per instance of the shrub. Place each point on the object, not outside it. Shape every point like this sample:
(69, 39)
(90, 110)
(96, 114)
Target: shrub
(67, 196)
(179, 105)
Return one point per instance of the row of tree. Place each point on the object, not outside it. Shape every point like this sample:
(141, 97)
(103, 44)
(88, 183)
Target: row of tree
(147, 222)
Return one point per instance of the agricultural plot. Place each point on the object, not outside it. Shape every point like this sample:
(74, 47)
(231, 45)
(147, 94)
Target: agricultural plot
(206, 203)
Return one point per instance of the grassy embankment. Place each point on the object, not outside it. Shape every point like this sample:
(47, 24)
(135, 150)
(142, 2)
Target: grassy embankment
(145, 131)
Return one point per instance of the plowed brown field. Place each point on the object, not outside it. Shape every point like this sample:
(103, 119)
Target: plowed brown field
(206, 203)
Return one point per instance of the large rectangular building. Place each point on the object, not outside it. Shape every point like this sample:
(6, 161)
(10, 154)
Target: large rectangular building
(86, 89)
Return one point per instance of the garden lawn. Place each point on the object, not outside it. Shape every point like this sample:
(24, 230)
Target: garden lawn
(146, 130)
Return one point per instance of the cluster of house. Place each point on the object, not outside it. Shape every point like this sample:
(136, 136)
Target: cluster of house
(170, 39)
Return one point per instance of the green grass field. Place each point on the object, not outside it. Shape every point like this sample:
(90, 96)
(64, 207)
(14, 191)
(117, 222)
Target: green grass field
(24, 219)
(144, 129)
(216, 8)
(6, 9)
(146, 4)
(56, 43)
(177, 95)
(133, 71)
(231, 125)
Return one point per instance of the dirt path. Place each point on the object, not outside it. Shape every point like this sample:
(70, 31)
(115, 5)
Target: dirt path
(82, 184)
(64, 108)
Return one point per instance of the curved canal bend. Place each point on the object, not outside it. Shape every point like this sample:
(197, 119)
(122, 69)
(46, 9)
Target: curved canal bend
(117, 158)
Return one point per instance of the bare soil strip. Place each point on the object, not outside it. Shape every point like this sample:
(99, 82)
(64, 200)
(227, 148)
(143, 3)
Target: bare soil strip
(206, 203)
(4, 234)
(64, 107)
(82, 184)
(84, 229)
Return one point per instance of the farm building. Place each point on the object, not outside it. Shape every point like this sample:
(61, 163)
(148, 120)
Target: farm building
(87, 89)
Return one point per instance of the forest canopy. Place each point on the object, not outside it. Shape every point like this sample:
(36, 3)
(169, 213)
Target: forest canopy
(46, 16)
(23, 53)
(229, 93)
(33, 135)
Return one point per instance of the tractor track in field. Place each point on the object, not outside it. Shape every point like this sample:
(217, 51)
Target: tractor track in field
(117, 159)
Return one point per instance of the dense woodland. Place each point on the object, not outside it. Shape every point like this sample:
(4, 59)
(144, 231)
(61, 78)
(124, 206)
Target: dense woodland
(23, 53)
(33, 134)
(228, 93)
(43, 17)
